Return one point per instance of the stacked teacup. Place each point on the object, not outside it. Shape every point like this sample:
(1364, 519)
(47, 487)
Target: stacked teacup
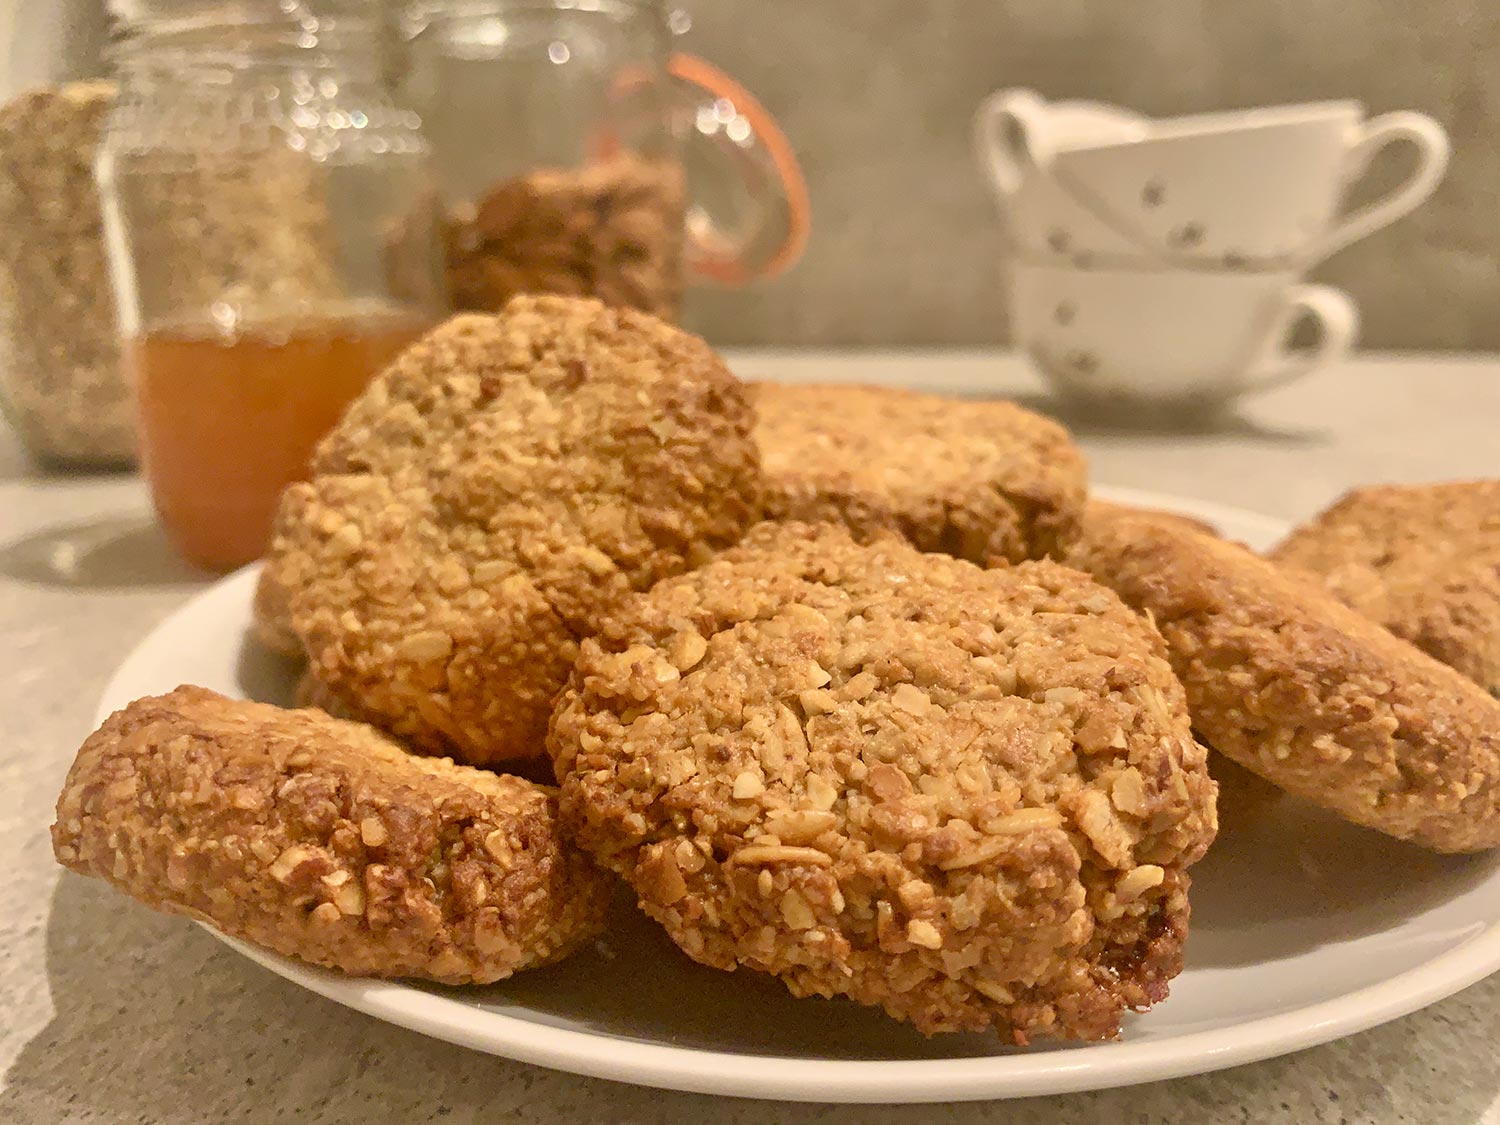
(1160, 262)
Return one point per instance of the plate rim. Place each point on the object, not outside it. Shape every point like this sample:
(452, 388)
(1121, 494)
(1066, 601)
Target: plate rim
(898, 1081)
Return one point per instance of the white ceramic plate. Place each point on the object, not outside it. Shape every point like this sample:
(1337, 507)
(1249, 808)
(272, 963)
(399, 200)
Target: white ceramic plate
(1304, 929)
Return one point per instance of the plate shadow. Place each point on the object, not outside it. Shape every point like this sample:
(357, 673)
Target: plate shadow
(1287, 877)
(108, 553)
(266, 676)
(635, 984)
(1085, 420)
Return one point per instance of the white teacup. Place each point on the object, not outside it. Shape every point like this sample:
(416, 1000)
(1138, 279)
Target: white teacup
(1016, 129)
(1251, 189)
(1042, 220)
(1171, 338)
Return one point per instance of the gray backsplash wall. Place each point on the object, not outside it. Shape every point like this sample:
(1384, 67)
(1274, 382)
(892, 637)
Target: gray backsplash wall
(876, 96)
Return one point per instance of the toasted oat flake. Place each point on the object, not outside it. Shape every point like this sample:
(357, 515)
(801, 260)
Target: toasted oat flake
(747, 785)
(780, 853)
(1138, 881)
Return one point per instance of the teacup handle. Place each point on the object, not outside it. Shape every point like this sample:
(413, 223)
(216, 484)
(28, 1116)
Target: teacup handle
(1337, 318)
(1433, 149)
(1010, 138)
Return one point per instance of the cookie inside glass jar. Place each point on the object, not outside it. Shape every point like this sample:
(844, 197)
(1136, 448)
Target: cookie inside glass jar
(611, 230)
(578, 155)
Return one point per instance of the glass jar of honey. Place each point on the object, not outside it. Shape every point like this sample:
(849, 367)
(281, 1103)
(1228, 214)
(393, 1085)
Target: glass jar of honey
(270, 216)
(579, 154)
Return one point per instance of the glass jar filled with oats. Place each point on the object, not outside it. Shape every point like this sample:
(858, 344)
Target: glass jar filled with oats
(272, 228)
(578, 154)
(62, 385)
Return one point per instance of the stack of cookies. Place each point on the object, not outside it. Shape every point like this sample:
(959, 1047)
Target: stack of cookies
(852, 687)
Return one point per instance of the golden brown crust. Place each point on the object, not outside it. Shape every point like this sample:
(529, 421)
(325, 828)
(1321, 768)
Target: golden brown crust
(978, 480)
(502, 483)
(324, 840)
(1297, 687)
(1422, 560)
(966, 796)
(1243, 796)
(1101, 511)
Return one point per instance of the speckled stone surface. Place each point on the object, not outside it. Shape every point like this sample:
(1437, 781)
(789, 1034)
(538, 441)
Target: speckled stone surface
(110, 1013)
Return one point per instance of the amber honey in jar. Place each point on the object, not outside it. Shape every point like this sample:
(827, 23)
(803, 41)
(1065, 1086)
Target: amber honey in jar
(229, 419)
(271, 222)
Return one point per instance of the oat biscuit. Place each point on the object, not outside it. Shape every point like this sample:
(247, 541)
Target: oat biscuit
(612, 230)
(966, 796)
(324, 840)
(1423, 560)
(1297, 687)
(979, 480)
(501, 484)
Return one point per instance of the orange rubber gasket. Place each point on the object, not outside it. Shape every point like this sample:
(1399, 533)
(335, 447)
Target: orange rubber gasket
(704, 75)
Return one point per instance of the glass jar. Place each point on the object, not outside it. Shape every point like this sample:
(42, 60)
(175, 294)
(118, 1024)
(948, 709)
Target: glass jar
(62, 385)
(271, 221)
(577, 154)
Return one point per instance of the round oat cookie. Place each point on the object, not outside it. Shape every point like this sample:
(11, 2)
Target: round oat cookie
(969, 797)
(1297, 687)
(502, 483)
(1423, 560)
(979, 480)
(324, 840)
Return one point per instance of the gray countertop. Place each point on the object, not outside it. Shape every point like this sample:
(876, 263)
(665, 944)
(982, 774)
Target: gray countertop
(111, 1013)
